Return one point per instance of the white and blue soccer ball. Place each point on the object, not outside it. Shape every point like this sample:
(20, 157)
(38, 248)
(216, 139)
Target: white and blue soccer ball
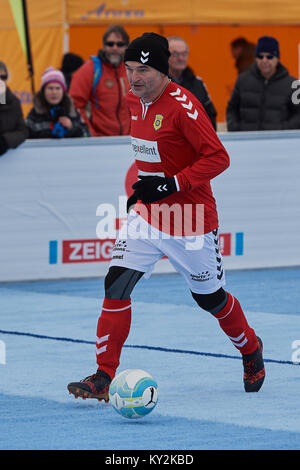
(133, 393)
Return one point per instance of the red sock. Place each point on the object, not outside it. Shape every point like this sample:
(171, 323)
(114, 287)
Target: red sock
(112, 331)
(233, 322)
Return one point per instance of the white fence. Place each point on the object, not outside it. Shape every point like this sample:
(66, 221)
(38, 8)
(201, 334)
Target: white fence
(50, 191)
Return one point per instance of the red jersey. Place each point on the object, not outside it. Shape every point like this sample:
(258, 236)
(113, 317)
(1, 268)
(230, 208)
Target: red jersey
(173, 136)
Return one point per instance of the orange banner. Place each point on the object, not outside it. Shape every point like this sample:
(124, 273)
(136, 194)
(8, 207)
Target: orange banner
(47, 38)
(187, 11)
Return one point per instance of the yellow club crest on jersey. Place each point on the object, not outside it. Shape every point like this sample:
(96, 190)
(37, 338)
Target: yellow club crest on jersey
(158, 121)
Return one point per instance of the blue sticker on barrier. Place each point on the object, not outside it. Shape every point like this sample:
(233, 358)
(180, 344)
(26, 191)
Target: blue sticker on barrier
(239, 243)
(53, 252)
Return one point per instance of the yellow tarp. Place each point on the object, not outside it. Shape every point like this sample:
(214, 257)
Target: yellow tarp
(46, 23)
(40, 13)
(187, 11)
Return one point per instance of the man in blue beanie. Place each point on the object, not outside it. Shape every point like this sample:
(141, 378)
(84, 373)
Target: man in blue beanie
(262, 96)
(267, 56)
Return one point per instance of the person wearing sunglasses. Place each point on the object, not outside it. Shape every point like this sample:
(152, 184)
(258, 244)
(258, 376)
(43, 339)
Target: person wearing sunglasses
(13, 130)
(262, 96)
(100, 85)
(180, 73)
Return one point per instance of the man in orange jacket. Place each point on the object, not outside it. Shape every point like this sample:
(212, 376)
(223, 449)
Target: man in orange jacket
(100, 85)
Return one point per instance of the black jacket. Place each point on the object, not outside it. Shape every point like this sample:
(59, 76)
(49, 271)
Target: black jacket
(13, 130)
(260, 104)
(196, 86)
(40, 122)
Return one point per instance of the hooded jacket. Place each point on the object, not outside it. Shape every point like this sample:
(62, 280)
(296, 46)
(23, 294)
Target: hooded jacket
(106, 112)
(41, 120)
(260, 104)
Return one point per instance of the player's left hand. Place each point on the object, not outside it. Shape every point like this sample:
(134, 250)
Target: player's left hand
(131, 201)
(153, 188)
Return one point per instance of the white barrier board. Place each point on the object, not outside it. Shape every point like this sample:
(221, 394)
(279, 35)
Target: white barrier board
(50, 191)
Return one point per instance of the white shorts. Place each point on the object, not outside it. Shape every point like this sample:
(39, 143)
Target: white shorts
(139, 246)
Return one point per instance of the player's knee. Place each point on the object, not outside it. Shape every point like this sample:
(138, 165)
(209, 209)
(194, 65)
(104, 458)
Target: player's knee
(119, 282)
(212, 303)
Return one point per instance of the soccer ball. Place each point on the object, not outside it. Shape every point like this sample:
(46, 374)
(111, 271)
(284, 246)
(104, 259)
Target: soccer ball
(133, 393)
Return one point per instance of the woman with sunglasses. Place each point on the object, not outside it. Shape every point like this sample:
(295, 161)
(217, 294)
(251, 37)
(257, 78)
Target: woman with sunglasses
(13, 130)
(53, 114)
(262, 97)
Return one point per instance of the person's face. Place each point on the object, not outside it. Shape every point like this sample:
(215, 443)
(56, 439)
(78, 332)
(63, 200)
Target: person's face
(179, 56)
(114, 48)
(267, 64)
(53, 93)
(145, 81)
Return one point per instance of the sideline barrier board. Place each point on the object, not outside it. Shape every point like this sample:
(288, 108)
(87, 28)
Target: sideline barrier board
(50, 191)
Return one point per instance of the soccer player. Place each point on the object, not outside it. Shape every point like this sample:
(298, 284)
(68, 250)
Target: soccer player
(177, 153)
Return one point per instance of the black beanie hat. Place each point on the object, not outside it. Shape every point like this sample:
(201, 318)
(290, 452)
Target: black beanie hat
(150, 49)
(268, 44)
(71, 62)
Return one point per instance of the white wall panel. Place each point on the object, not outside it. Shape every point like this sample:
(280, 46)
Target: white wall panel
(50, 191)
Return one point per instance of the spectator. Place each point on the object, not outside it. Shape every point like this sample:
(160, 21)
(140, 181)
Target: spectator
(184, 76)
(13, 130)
(53, 114)
(99, 87)
(244, 54)
(262, 97)
(70, 63)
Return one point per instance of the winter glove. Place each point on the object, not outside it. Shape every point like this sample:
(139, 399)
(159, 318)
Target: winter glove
(59, 130)
(153, 188)
(3, 145)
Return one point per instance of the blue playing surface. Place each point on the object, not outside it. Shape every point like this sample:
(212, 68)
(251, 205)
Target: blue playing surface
(47, 332)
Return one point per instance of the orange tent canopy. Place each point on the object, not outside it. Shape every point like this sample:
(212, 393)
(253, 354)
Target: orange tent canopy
(208, 27)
